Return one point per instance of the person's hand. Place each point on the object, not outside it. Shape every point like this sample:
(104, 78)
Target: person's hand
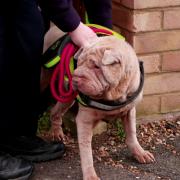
(82, 35)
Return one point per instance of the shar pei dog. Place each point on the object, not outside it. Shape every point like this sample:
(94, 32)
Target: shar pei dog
(109, 79)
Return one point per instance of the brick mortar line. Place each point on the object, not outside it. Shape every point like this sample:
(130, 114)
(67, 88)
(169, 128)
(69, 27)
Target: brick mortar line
(147, 9)
(160, 73)
(157, 9)
(162, 94)
(146, 32)
(158, 52)
(162, 20)
(141, 11)
(161, 62)
(155, 31)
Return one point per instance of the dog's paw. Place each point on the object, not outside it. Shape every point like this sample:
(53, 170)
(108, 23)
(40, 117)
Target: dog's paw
(91, 178)
(55, 134)
(141, 155)
(144, 157)
(90, 174)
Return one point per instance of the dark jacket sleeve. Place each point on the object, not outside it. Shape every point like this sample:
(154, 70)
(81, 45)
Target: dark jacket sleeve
(99, 12)
(61, 12)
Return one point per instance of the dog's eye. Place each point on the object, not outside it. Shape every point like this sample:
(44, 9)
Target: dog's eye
(92, 64)
(95, 66)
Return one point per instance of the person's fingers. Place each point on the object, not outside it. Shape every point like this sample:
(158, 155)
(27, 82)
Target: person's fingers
(82, 35)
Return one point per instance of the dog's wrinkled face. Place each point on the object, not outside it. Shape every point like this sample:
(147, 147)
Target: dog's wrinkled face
(102, 71)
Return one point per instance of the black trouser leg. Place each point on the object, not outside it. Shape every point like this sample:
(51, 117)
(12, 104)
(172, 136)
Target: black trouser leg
(21, 41)
(99, 12)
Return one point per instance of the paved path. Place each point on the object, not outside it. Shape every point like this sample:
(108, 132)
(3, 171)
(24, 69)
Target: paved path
(167, 166)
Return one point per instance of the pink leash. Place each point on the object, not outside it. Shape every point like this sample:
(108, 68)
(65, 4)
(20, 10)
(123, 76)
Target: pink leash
(62, 70)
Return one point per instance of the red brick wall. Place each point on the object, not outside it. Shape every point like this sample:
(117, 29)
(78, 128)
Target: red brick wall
(153, 29)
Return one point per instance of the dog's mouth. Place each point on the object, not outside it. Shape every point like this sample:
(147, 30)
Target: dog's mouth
(88, 91)
(90, 82)
(88, 87)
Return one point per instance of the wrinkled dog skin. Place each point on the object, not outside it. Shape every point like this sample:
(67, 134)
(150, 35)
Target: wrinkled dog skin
(107, 69)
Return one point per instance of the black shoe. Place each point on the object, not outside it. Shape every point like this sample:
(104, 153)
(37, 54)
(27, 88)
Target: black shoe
(32, 148)
(14, 168)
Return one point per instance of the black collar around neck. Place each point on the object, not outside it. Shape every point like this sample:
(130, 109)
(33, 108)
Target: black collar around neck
(112, 105)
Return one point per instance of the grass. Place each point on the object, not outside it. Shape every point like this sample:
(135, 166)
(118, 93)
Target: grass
(44, 123)
(120, 130)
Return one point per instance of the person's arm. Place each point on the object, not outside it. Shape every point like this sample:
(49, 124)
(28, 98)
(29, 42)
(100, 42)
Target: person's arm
(99, 12)
(63, 14)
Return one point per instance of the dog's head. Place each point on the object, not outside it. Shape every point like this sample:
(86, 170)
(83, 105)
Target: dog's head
(107, 69)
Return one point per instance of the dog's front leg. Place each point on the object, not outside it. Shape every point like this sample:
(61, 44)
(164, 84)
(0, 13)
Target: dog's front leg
(56, 133)
(129, 123)
(85, 121)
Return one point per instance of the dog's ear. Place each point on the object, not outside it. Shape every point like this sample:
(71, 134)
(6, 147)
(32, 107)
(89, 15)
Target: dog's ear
(111, 67)
(109, 57)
